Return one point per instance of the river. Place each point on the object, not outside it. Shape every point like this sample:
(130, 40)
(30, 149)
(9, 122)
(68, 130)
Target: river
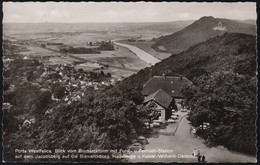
(182, 144)
(140, 53)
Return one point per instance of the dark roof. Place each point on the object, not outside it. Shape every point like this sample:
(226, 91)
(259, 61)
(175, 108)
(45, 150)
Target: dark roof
(171, 85)
(161, 97)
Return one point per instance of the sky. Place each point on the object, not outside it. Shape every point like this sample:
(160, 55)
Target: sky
(73, 12)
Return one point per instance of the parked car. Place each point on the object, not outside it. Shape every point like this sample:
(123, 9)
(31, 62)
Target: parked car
(174, 111)
(156, 124)
(171, 121)
(136, 147)
(146, 123)
(174, 116)
(142, 140)
(157, 121)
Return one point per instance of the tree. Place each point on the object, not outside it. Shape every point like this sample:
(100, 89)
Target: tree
(6, 85)
(148, 112)
(10, 123)
(108, 74)
(30, 76)
(102, 73)
(106, 46)
(42, 101)
(59, 91)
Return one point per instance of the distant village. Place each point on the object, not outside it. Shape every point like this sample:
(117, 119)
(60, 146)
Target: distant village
(66, 83)
(76, 81)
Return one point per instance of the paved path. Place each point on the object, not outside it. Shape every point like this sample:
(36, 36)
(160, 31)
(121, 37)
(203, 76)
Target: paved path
(183, 143)
(178, 124)
(140, 53)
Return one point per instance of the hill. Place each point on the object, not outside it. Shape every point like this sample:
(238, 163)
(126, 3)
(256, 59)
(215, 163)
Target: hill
(248, 21)
(199, 31)
(222, 70)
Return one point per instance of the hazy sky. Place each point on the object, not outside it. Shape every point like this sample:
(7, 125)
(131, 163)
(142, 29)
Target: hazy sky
(123, 12)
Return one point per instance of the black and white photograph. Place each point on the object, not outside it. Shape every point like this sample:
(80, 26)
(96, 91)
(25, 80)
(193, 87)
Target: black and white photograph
(129, 82)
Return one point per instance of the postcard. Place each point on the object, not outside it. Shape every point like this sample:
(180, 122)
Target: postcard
(129, 82)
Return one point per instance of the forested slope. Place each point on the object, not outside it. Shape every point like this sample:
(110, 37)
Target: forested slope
(222, 70)
(202, 30)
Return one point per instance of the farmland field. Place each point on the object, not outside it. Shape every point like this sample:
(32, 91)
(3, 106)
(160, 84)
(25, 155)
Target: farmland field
(44, 40)
(120, 62)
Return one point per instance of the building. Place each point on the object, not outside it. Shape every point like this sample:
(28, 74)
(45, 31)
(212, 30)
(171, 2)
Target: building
(163, 91)
(220, 27)
(163, 101)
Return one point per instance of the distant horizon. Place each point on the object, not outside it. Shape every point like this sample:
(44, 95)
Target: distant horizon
(123, 12)
(99, 22)
(127, 22)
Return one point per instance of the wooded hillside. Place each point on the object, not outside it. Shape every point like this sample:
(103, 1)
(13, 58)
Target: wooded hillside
(223, 72)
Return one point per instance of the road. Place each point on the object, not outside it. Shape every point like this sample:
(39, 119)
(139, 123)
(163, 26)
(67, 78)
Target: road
(140, 53)
(183, 143)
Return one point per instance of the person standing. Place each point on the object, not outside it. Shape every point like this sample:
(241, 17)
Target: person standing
(199, 157)
(203, 158)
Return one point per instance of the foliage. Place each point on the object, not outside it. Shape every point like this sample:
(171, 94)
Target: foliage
(108, 74)
(222, 70)
(58, 91)
(201, 31)
(80, 50)
(222, 94)
(106, 46)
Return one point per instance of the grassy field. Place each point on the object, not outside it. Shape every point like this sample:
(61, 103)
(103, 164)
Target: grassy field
(121, 61)
(122, 56)
(34, 51)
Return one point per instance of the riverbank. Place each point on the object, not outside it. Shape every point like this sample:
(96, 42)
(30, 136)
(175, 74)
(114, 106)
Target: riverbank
(148, 58)
(147, 46)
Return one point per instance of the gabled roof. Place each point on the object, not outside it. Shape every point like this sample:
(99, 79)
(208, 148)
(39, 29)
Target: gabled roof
(161, 97)
(171, 85)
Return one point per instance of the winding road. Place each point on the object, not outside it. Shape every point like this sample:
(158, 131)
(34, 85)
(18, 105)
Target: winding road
(183, 142)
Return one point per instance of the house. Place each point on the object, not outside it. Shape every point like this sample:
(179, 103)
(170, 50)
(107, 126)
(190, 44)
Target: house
(163, 101)
(220, 27)
(171, 85)
(163, 91)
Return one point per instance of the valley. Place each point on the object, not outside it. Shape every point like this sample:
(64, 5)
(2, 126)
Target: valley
(121, 61)
(72, 86)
